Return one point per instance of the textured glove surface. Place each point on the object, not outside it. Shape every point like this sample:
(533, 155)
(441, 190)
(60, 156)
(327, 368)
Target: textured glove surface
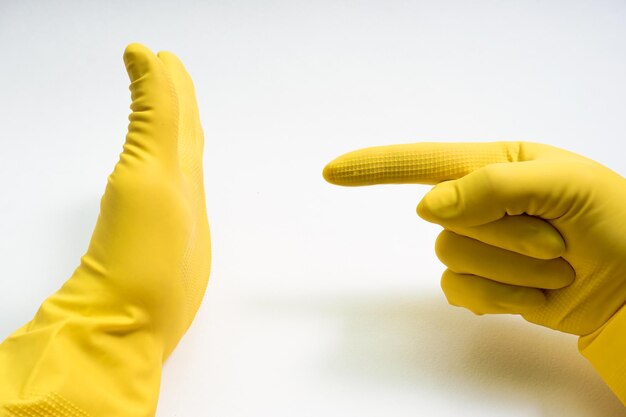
(528, 229)
(96, 347)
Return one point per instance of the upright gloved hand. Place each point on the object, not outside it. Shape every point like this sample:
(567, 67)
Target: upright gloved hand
(96, 346)
(529, 229)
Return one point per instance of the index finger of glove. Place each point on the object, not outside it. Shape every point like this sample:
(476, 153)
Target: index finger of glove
(423, 163)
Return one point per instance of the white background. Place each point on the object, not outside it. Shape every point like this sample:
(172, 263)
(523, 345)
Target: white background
(323, 301)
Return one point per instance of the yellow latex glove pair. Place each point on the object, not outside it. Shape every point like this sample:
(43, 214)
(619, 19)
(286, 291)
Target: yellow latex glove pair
(96, 347)
(529, 229)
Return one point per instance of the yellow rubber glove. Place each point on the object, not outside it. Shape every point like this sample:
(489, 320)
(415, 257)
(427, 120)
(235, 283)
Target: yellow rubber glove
(529, 229)
(96, 347)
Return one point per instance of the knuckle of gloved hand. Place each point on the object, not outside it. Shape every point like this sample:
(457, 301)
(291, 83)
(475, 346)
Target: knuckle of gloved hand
(475, 306)
(453, 288)
(561, 273)
(444, 246)
(491, 177)
(448, 285)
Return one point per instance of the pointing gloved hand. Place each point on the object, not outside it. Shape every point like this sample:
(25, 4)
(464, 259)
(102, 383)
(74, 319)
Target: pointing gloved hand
(529, 229)
(96, 347)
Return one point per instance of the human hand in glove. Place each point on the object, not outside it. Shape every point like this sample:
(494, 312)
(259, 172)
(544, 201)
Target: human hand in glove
(529, 229)
(96, 346)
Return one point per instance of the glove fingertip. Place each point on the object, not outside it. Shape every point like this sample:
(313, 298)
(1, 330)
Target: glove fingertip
(329, 173)
(138, 60)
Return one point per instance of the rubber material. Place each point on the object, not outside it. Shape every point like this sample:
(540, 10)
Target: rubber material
(530, 229)
(96, 346)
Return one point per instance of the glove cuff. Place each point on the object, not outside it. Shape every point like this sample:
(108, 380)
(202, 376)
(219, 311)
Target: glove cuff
(606, 350)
